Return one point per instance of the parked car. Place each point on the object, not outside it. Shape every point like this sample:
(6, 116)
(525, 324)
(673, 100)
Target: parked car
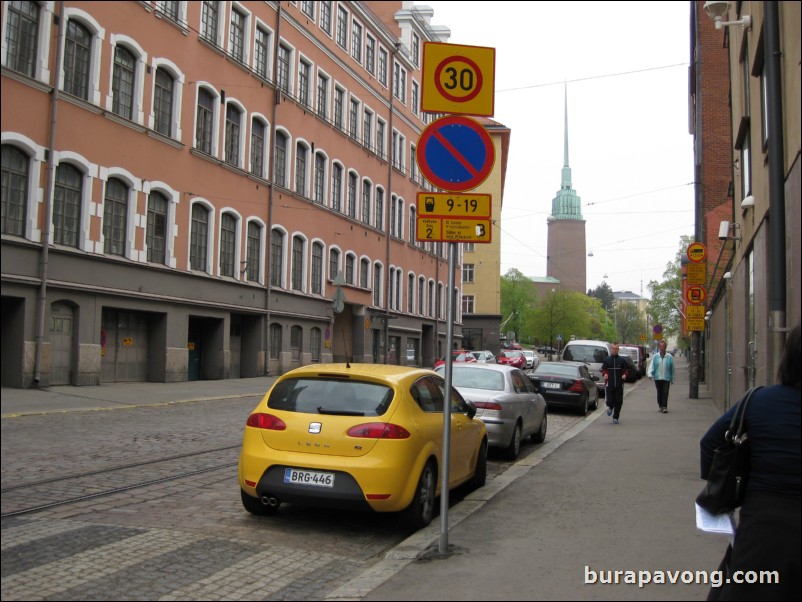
(512, 357)
(506, 401)
(532, 359)
(458, 355)
(484, 357)
(639, 355)
(545, 350)
(359, 436)
(632, 370)
(566, 385)
(590, 352)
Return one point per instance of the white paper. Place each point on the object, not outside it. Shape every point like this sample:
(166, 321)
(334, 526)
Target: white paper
(714, 523)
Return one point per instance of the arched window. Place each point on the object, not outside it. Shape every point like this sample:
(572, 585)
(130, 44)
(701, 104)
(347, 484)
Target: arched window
(228, 244)
(280, 165)
(77, 56)
(67, 205)
(199, 241)
(205, 121)
(122, 85)
(233, 129)
(15, 189)
(163, 102)
(156, 234)
(115, 217)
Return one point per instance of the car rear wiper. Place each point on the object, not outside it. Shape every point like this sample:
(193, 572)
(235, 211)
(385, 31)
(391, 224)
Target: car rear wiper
(322, 410)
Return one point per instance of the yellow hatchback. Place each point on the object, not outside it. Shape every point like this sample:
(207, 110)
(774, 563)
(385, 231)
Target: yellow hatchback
(358, 436)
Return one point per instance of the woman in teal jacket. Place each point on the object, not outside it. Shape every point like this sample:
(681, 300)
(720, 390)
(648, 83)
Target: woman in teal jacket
(661, 369)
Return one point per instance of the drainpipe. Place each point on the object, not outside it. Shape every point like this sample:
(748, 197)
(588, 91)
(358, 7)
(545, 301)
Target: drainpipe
(776, 236)
(386, 333)
(270, 173)
(48, 218)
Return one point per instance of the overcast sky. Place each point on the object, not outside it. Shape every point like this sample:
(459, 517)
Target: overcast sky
(625, 67)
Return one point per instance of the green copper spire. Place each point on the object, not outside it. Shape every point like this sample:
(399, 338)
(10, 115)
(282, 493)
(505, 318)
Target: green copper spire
(567, 204)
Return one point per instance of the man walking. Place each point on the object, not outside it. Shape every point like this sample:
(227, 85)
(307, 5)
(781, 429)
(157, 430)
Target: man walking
(662, 371)
(614, 369)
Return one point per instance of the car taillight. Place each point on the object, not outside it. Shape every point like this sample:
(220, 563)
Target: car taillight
(266, 421)
(488, 405)
(378, 430)
(577, 387)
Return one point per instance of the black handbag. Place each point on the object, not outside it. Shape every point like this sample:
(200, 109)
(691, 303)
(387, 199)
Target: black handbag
(726, 481)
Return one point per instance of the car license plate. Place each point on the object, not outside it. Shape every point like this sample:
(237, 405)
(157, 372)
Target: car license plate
(551, 385)
(308, 477)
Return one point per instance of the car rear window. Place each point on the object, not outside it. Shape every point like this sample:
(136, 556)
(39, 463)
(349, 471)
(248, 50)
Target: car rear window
(585, 353)
(327, 396)
(558, 369)
(489, 380)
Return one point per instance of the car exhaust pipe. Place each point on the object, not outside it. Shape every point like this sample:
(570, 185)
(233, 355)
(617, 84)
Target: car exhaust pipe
(269, 500)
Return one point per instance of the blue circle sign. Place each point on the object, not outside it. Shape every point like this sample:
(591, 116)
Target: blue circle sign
(455, 153)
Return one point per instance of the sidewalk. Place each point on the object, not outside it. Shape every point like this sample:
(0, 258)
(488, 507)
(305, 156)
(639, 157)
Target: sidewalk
(615, 498)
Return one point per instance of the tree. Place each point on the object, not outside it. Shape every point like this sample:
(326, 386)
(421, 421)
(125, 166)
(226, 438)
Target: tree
(517, 299)
(603, 293)
(667, 297)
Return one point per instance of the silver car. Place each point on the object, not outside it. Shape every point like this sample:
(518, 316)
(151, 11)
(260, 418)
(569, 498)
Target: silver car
(484, 357)
(506, 401)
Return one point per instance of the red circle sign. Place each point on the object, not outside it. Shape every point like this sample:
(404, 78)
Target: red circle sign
(458, 77)
(695, 295)
(696, 252)
(455, 153)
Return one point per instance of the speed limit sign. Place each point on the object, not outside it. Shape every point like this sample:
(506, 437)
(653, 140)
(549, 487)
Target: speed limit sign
(458, 79)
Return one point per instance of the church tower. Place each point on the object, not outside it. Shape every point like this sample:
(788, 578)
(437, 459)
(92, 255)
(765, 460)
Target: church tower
(567, 252)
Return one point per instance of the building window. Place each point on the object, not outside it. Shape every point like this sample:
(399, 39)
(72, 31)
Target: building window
(276, 257)
(320, 178)
(412, 225)
(467, 272)
(410, 293)
(199, 238)
(380, 128)
(115, 217)
(356, 41)
(233, 125)
(156, 234)
(421, 296)
(352, 184)
(370, 55)
(67, 205)
(315, 340)
(258, 148)
(399, 82)
(467, 304)
(342, 27)
(237, 35)
(415, 96)
(325, 16)
(440, 301)
(322, 96)
(209, 21)
(317, 268)
(380, 209)
(364, 273)
(383, 60)
(339, 100)
(205, 119)
(431, 299)
(304, 70)
(301, 153)
(15, 189)
(122, 85)
(296, 341)
(77, 53)
(334, 263)
(416, 49)
(367, 128)
(228, 241)
(275, 341)
(169, 9)
(353, 121)
(22, 36)
(283, 69)
(253, 262)
(349, 269)
(366, 202)
(163, 102)
(308, 8)
(336, 187)
(377, 285)
(262, 53)
(280, 160)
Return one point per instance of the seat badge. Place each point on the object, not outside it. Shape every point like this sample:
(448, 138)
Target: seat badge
(315, 427)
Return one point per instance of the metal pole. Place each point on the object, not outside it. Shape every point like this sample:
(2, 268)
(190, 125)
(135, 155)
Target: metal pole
(452, 252)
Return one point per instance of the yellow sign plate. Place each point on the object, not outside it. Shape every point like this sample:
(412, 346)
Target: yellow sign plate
(695, 311)
(696, 251)
(695, 324)
(438, 204)
(697, 273)
(443, 229)
(458, 79)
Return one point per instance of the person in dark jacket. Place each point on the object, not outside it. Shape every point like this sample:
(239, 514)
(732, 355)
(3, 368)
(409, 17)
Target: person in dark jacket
(614, 369)
(768, 536)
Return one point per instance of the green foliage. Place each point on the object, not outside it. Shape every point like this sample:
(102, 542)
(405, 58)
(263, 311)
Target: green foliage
(667, 297)
(604, 293)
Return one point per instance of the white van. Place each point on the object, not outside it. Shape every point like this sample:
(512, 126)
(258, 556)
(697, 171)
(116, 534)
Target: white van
(590, 352)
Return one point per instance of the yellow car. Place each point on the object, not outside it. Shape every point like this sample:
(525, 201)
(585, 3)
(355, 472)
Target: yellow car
(358, 436)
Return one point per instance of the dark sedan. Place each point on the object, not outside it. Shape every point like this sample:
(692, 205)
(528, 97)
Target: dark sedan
(566, 385)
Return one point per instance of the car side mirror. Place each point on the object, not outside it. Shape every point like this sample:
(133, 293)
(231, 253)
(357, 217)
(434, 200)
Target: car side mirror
(471, 409)
(594, 377)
